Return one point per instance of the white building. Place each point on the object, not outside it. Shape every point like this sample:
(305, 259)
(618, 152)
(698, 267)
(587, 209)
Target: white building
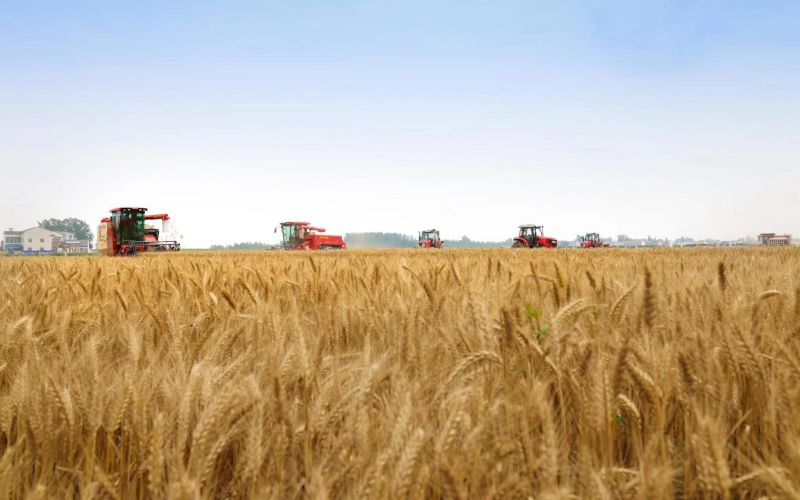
(35, 239)
(775, 240)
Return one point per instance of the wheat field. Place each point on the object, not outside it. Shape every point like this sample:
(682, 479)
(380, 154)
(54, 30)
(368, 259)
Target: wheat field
(498, 373)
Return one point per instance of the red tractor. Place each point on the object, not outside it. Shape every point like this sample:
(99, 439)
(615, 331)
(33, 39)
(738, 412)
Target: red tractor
(125, 233)
(429, 238)
(532, 236)
(592, 240)
(302, 236)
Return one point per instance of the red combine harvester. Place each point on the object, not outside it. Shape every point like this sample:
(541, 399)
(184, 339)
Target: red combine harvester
(532, 236)
(302, 236)
(429, 238)
(125, 233)
(592, 240)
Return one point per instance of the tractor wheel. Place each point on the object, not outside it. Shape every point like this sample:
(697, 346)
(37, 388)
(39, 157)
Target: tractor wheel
(518, 244)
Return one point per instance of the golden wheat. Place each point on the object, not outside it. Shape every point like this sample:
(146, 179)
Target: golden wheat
(493, 373)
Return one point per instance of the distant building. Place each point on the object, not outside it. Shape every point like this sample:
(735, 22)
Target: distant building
(76, 246)
(631, 243)
(40, 240)
(12, 240)
(775, 240)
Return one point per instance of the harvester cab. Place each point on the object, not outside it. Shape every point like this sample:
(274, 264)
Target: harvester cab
(429, 238)
(126, 233)
(532, 236)
(303, 236)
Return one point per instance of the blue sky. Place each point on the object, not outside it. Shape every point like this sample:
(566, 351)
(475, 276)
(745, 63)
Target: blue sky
(663, 118)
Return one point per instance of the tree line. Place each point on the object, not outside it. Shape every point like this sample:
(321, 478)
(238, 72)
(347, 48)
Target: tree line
(72, 225)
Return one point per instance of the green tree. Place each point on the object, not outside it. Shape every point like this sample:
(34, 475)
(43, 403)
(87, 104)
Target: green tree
(72, 225)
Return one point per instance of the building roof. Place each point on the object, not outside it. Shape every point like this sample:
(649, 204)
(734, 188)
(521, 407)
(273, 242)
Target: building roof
(63, 234)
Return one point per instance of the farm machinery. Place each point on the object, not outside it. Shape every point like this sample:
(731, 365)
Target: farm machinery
(429, 238)
(125, 233)
(303, 236)
(592, 240)
(532, 236)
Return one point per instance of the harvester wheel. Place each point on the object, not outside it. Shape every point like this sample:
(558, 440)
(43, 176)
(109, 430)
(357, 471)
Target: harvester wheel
(518, 244)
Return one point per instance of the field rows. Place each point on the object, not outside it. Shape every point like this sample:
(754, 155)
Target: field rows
(604, 373)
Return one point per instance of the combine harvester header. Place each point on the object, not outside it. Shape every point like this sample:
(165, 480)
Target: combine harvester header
(303, 236)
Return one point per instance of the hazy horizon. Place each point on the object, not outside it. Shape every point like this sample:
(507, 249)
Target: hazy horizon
(662, 118)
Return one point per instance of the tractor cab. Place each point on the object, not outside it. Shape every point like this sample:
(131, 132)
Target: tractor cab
(592, 240)
(530, 232)
(429, 238)
(532, 236)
